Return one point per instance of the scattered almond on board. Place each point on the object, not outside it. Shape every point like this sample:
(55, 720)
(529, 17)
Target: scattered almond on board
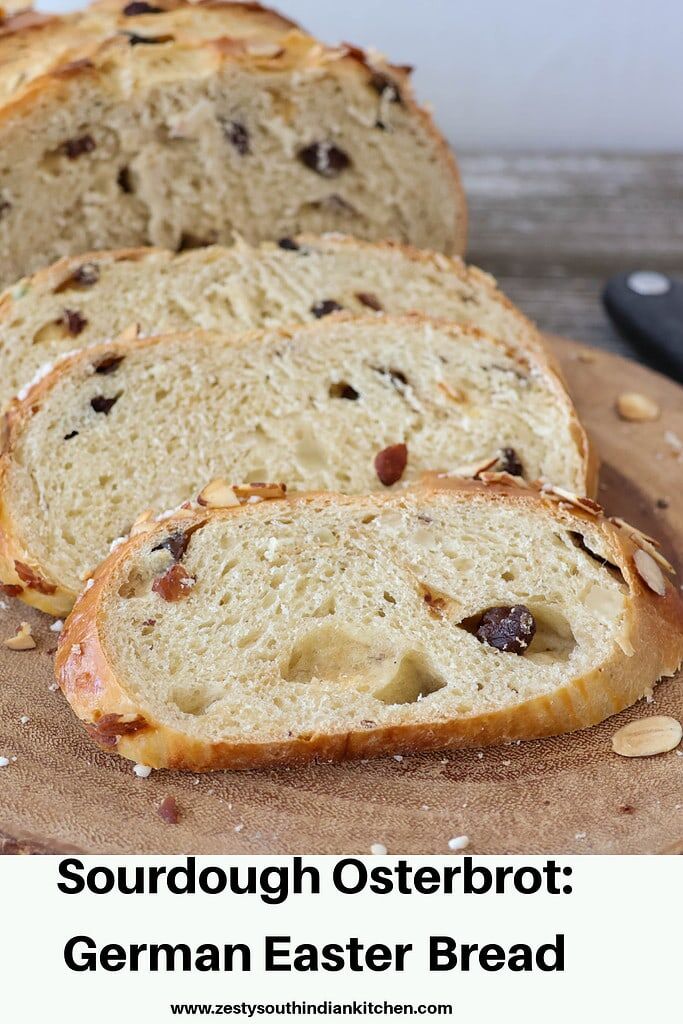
(22, 639)
(637, 408)
(647, 736)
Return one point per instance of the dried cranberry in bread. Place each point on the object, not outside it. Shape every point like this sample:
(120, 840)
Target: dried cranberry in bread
(331, 627)
(340, 404)
(180, 134)
(87, 298)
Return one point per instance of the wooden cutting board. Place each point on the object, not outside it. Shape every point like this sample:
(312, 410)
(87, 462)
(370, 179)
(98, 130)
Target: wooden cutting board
(564, 795)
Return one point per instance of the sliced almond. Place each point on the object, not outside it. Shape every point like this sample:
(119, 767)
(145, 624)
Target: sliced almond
(647, 736)
(649, 572)
(264, 49)
(22, 640)
(471, 470)
(143, 523)
(501, 477)
(260, 490)
(633, 531)
(637, 408)
(585, 504)
(218, 494)
(645, 542)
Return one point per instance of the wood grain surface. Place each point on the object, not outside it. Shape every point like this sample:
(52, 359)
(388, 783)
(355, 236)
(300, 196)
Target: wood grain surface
(552, 227)
(565, 795)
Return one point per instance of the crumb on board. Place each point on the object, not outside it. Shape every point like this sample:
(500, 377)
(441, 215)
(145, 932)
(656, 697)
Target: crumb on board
(458, 843)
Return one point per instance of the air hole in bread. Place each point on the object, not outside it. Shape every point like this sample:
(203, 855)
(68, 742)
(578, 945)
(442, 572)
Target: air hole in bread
(333, 654)
(414, 679)
(342, 389)
(327, 606)
(396, 378)
(579, 541)
(134, 585)
(189, 241)
(328, 653)
(53, 331)
(554, 639)
(194, 701)
(124, 180)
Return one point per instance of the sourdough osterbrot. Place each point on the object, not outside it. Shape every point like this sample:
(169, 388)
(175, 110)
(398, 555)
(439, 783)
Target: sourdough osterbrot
(342, 404)
(331, 627)
(178, 139)
(95, 296)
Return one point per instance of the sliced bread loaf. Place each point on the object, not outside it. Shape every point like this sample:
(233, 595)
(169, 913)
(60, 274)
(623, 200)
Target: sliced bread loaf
(335, 627)
(342, 404)
(171, 138)
(92, 297)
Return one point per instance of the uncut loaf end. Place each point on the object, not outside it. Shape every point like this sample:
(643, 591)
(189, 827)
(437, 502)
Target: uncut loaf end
(160, 137)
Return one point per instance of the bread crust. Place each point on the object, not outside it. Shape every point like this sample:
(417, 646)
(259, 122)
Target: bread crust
(48, 594)
(654, 629)
(95, 54)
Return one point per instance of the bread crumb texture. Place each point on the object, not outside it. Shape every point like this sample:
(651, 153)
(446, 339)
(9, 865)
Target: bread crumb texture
(149, 424)
(154, 130)
(324, 616)
(86, 299)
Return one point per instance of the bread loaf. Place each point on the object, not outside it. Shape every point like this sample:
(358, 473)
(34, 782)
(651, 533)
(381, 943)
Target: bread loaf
(182, 136)
(89, 298)
(336, 627)
(342, 404)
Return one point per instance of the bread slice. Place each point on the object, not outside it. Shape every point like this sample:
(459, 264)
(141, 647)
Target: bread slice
(342, 404)
(171, 138)
(332, 627)
(88, 298)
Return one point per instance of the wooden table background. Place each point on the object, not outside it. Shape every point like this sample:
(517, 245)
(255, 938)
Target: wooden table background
(553, 227)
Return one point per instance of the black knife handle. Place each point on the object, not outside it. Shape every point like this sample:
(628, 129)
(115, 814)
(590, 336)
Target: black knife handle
(648, 308)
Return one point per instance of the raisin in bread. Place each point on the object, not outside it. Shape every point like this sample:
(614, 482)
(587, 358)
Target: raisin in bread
(88, 298)
(343, 404)
(335, 627)
(149, 138)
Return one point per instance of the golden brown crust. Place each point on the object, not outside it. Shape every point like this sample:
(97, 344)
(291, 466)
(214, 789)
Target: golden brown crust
(654, 629)
(22, 21)
(58, 600)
